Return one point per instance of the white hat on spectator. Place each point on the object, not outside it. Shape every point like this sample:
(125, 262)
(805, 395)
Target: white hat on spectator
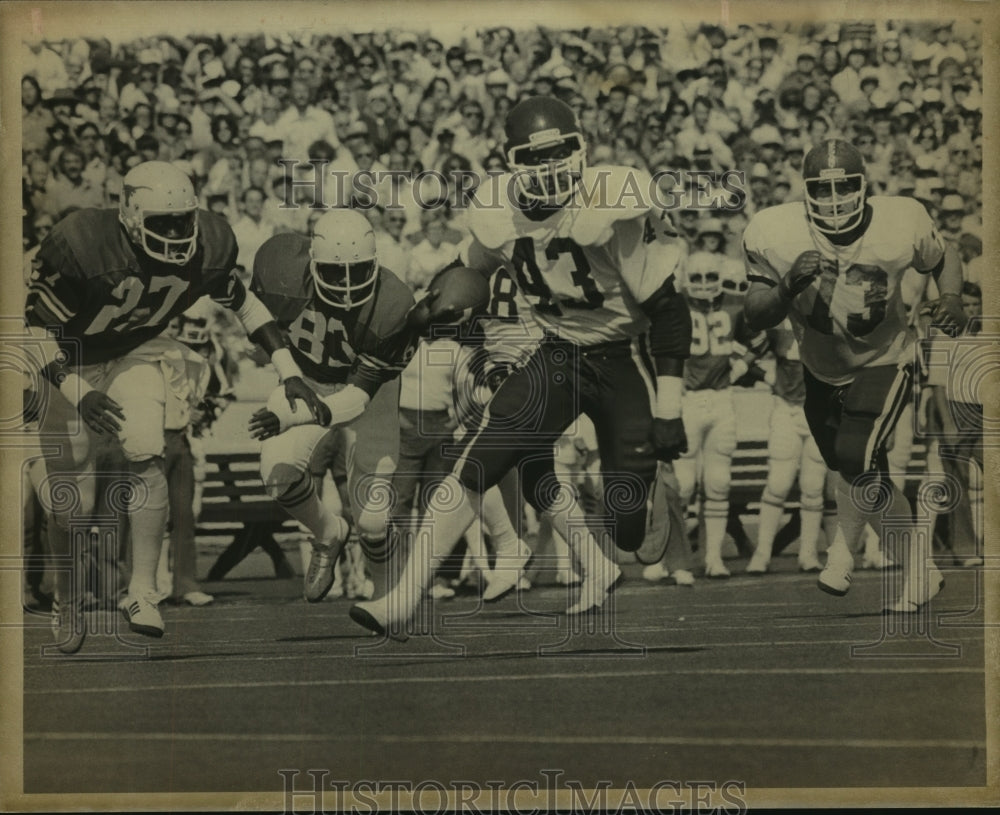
(921, 52)
(602, 154)
(766, 134)
(498, 77)
(213, 69)
(356, 128)
(406, 38)
(931, 96)
(760, 170)
(150, 56)
(952, 203)
(973, 103)
(959, 141)
(925, 163)
(903, 107)
(935, 182)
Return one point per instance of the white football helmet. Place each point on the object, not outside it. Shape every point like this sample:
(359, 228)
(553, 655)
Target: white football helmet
(159, 210)
(194, 325)
(343, 260)
(734, 276)
(702, 278)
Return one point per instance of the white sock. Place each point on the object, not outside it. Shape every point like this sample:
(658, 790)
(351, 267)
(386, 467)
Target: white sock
(148, 520)
(716, 515)
(772, 509)
(809, 536)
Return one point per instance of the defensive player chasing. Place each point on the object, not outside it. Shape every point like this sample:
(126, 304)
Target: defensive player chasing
(833, 267)
(576, 268)
(108, 282)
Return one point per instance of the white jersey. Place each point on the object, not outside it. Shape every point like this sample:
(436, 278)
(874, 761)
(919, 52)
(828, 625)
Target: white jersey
(852, 316)
(582, 272)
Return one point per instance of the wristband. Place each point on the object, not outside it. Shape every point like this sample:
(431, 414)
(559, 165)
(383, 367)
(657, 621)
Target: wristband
(284, 364)
(668, 397)
(74, 388)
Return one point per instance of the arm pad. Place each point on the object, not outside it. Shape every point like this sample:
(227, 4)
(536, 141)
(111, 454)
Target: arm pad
(670, 318)
(253, 313)
(345, 405)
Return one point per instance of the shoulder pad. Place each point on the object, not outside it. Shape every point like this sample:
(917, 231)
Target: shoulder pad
(620, 193)
(492, 214)
(281, 264)
(390, 306)
(216, 235)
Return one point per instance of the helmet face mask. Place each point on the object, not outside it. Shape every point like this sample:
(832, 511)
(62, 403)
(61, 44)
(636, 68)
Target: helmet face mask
(193, 331)
(342, 259)
(836, 204)
(835, 187)
(545, 150)
(159, 211)
(704, 285)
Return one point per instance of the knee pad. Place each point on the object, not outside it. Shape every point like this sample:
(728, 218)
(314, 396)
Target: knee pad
(288, 485)
(152, 491)
(717, 477)
(780, 477)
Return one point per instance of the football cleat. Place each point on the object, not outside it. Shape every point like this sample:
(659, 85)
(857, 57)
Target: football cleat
(142, 616)
(836, 578)
(877, 561)
(595, 589)
(371, 615)
(69, 627)
(909, 603)
(758, 565)
(811, 565)
(716, 569)
(319, 576)
(507, 574)
(197, 598)
(682, 577)
(655, 572)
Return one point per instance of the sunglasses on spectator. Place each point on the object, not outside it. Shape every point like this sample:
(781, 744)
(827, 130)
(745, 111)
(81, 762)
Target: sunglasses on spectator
(432, 49)
(366, 64)
(959, 152)
(865, 142)
(473, 114)
(396, 219)
(364, 155)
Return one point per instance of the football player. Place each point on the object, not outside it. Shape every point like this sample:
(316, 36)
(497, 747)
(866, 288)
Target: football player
(565, 248)
(833, 265)
(345, 320)
(791, 449)
(106, 284)
(722, 351)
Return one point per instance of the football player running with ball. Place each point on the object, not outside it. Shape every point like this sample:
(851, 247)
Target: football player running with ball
(565, 249)
(833, 266)
(352, 326)
(106, 284)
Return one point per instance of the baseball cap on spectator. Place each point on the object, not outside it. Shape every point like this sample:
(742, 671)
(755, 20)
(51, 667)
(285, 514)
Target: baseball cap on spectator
(906, 80)
(962, 83)
(62, 96)
(807, 53)
(687, 72)
(768, 40)
(171, 107)
(880, 99)
(932, 98)
(271, 58)
(150, 56)
(924, 166)
(473, 57)
(356, 129)
(406, 39)
(455, 52)
(766, 135)
(498, 77)
(903, 107)
(952, 203)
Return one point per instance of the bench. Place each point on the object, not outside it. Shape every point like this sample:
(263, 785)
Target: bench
(234, 503)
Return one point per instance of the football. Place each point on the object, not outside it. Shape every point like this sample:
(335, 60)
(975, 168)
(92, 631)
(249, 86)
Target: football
(453, 296)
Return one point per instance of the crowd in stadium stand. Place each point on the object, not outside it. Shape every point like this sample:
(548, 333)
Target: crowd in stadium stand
(237, 113)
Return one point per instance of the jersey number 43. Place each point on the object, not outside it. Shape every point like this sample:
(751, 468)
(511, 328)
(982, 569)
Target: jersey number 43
(856, 301)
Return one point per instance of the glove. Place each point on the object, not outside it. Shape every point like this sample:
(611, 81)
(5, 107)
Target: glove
(296, 388)
(100, 412)
(804, 270)
(668, 439)
(737, 369)
(947, 314)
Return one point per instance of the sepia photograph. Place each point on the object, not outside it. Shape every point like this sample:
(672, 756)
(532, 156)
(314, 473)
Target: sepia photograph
(499, 406)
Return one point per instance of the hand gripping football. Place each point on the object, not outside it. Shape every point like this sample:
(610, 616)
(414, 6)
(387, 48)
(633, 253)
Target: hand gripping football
(453, 296)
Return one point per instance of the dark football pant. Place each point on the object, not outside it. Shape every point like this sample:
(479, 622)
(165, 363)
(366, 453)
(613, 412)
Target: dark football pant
(537, 403)
(853, 423)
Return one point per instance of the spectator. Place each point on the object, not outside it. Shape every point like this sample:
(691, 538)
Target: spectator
(251, 228)
(36, 118)
(303, 123)
(432, 254)
(70, 189)
(393, 250)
